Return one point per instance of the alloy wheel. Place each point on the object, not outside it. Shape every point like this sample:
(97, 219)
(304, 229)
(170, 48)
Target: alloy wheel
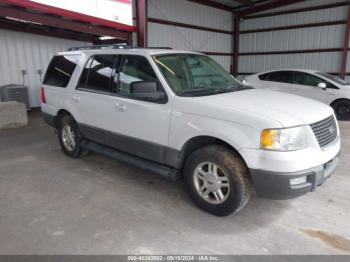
(68, 137)
(211, 183)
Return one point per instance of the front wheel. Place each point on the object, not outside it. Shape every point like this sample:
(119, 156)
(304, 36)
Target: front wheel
(217, 180)
(69, 137)
(342, 109)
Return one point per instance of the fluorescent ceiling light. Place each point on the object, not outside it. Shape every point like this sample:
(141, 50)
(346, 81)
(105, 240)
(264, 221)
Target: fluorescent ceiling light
(23, 21)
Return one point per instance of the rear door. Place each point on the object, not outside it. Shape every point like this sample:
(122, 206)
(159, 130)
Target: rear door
(278, 80)
(93, 97)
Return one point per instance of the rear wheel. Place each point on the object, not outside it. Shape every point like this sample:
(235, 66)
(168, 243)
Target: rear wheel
(69, 136)
(217, 180)
(342, 109)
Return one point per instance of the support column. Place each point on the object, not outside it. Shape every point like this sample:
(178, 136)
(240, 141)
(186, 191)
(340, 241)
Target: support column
(235, 39)
(345, 48)
(141, 20)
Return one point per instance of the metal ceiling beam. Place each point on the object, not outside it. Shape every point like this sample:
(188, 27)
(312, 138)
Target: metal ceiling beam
(298, 10)
(246, 2)
(61, 23)
(267, 6)
(67, 13)
(213, 4)
(235, 41)
(44, 30)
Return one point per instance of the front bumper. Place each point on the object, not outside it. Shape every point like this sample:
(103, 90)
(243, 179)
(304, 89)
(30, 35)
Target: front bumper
(276, 185)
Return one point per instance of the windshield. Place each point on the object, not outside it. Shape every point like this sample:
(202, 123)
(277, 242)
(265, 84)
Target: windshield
(333, 78)
(192, 74)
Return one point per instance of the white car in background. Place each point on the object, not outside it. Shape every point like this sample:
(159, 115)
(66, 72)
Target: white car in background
(308, 83)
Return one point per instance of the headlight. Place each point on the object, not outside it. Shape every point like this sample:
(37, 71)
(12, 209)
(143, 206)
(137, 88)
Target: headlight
(286, 139)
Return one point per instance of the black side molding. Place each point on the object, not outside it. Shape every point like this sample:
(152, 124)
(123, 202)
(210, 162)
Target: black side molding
(49, 119)
(165, 171)
(136, 147)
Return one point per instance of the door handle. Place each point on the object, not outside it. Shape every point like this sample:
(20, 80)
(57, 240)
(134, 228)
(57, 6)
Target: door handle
(120, 107)
(76, 98)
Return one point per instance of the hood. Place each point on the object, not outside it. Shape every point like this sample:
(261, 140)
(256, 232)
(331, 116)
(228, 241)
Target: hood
(289, 110)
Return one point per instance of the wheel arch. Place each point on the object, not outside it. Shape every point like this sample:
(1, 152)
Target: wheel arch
(197, 142)
(339, 99)
(59, 115)
(340, 114)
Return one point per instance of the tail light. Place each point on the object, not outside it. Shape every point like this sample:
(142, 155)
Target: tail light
(42, 95)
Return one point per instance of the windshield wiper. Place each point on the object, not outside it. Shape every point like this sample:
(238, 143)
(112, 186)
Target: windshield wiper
(198, 91)
(240, 87)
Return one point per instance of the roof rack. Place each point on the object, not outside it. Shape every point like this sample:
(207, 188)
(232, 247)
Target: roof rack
(111, 46)
(107, 46)
(156, 47)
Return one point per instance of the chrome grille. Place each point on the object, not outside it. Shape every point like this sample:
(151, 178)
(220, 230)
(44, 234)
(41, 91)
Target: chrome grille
(325, 131)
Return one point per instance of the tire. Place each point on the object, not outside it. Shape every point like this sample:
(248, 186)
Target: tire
(73, 150)
(232, 178)
(342, 109)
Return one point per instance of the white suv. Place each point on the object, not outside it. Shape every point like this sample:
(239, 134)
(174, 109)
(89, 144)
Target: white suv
(179, 113)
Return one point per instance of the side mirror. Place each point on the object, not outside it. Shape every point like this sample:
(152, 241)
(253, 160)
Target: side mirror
(322, 85)
(145, 90)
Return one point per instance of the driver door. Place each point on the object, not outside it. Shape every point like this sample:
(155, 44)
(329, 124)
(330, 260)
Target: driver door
(306, 85)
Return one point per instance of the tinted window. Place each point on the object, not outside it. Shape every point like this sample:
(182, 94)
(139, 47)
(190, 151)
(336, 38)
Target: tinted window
(133, 69)
(60, 70)
(301, 78)
(280, 76)
(263, 76)
(97, 73)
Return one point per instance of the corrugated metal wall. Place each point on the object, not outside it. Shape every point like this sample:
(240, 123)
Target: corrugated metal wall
(296, 39)
(30, 52)
(186, 38)
(304, 4)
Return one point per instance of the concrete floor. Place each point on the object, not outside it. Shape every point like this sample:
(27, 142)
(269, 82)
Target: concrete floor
(51, 204)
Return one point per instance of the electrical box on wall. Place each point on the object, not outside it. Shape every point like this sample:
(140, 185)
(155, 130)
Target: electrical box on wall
(13, 92)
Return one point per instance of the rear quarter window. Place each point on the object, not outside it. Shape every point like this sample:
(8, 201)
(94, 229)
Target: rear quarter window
(60, 70)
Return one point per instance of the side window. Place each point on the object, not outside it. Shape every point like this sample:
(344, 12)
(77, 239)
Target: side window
(280, 76)
(134, 69)
(264, 76)
(301, 78)
(97, 73)
(60, 70)
(329, 84)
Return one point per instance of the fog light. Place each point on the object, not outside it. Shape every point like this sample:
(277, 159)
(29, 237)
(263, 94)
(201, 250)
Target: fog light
(298, 181)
